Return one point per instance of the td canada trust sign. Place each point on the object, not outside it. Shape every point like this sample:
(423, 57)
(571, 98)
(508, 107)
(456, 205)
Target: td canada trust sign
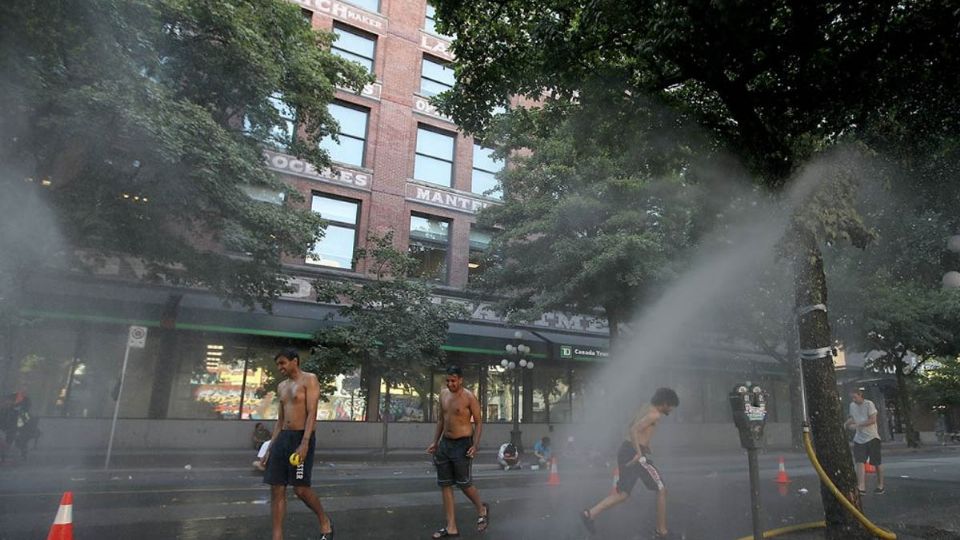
(574, 351)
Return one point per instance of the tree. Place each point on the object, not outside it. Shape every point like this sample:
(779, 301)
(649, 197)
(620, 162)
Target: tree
(939, 384)
(791, 80)
(394, 329)
(141, 125)
(582, 229)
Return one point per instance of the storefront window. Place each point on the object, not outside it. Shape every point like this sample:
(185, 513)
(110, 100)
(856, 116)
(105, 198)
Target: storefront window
(551, 395)
(345, 401)
(500, 395)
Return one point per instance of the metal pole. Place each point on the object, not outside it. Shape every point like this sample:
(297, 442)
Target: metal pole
(755, 493)
(116, 408)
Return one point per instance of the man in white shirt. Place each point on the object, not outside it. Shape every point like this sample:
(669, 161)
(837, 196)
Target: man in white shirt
(866, 442)
(508, 457)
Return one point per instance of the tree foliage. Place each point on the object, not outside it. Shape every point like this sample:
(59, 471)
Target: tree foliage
(141, 123)
(394, 328)
(583, 228)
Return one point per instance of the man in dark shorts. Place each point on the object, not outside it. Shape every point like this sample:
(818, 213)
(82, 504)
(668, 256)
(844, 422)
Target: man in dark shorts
(866, 442)
(454, 446)
(634, 462)
(293, 434)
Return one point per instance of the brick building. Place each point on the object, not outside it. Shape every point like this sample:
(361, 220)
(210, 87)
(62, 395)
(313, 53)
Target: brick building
(399, 166)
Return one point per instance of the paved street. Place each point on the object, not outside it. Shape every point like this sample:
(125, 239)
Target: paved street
(708, 499)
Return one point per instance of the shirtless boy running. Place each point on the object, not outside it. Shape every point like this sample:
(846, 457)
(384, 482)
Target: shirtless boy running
(293, 433)
(634, 461)
(454, 446)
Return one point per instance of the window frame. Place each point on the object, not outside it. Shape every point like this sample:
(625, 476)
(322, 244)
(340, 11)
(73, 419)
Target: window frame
(447, 246)
(342, 224)
(453, 154)
(439, 61)
(474, 168)
(366, 131)
(342, 27)
(354, 4)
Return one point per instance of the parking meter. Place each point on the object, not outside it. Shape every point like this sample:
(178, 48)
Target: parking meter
(749, 406)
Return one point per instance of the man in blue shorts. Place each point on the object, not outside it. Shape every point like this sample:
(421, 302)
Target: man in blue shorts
(293, 434)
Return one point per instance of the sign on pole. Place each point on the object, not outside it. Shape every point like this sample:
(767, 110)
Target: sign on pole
(137, 337)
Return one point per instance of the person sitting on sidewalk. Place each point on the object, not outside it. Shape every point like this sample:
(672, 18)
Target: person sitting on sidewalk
(508, 457)
(542, 450)
(261, 440)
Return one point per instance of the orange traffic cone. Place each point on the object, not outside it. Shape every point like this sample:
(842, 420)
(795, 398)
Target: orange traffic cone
(869, 468)
(62, 528)
(554, 479)
(782, 477)
(616, 480)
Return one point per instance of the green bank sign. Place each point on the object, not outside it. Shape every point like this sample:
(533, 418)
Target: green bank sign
(582, 353)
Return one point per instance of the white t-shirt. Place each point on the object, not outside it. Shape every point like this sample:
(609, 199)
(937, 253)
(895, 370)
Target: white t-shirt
(860, 414)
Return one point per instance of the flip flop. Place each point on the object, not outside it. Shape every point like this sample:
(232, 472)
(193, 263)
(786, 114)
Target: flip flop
(327, 535)
(587, 521)
(442, 532)
(483, 522)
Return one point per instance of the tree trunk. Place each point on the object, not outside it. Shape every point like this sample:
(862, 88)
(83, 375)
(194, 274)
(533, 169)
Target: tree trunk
(903, 403)
(823, 400)
(385, 416)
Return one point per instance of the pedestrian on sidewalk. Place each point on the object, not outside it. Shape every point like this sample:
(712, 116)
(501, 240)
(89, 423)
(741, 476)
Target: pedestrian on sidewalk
(454, 446)
(634, 462)
(866, 441)
(294, 434)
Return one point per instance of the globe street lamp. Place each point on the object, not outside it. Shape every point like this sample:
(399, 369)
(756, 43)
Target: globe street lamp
(516, 363)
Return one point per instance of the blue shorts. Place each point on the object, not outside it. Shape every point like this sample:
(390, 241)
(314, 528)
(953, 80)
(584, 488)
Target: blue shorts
(279, 470)
(453, 465)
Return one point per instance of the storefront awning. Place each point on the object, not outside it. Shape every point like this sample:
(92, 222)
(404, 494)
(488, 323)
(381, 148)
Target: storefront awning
(576, 346)
(113, 302)
(491, 340)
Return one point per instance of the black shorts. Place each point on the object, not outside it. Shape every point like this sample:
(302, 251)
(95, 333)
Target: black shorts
(629, 474)
(868, 450)
(453, 465)
(279, 470)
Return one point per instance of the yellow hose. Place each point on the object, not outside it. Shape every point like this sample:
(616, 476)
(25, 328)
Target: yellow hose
(787, 530)
(867, 524)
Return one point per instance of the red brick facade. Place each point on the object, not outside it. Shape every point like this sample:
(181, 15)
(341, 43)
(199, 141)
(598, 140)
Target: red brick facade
(388, 193)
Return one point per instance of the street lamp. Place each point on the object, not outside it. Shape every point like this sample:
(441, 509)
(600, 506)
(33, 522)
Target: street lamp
(517, 366)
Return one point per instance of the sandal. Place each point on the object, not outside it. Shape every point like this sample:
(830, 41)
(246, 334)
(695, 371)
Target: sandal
(442, 532)
(484, 521)
(587, 521)
(327, 535)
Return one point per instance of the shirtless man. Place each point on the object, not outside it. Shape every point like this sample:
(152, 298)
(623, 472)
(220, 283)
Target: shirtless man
(293, 433)
(454, 445)
(634, 462)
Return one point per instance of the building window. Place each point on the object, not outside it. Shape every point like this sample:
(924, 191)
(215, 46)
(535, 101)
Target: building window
(354, 46)
(429, 240)
(335, 249)
(352, 134)
(279, 135)
(369, 5)
(435, 77)
(430, 21)
(479, 242)
(485, 169)
(434, 159)
(307, 15)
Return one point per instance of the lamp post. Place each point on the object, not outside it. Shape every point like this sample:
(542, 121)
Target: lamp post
(516, 363)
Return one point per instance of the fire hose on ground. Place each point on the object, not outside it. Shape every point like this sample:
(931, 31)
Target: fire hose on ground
(867, 524)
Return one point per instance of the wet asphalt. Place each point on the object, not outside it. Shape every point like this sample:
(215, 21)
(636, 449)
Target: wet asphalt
(708, 499)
